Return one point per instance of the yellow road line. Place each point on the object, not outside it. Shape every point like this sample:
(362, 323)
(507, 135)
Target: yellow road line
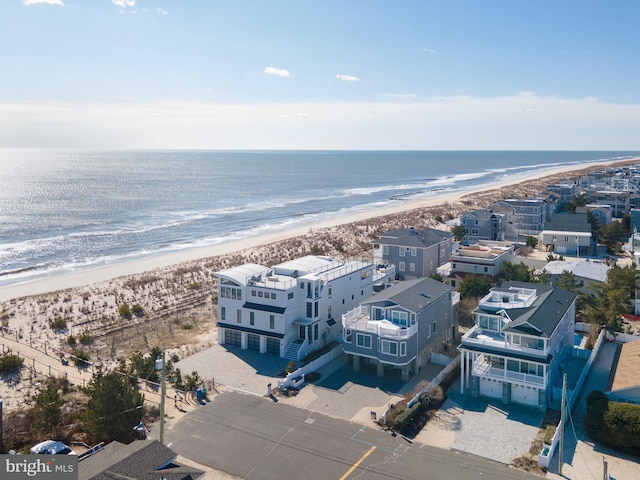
(355, 465)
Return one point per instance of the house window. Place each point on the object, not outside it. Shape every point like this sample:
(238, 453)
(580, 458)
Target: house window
(385, 249)
(403, 349)
(412, 267)
(414, 251)
(389, 348)
(252, 318)
(260, 294)
(330, 291)
(315, 332)
(434, 327)
(239, 316)
(315, 309)
(486, 269)
(402, 250)
(223, 313)
(253, 293)
(273, 296)
(399, 318)
(347, 336)
(302, 285)
(464, 221)
(309, 309)
(401, 266)
(515, 340)
(454, 266)
(566, 238)
(475, 231)
(272, 322)
(329, 312)
(290, 295)
(363, 341)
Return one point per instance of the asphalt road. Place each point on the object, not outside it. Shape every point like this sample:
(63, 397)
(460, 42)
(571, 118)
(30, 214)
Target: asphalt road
(255, 438)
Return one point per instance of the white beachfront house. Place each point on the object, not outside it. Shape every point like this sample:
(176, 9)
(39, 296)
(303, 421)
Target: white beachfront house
(517, 349)
(293, 308)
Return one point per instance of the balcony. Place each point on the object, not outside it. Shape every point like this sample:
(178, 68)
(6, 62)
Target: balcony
(357, 320)
(482, 367)
(481, 337)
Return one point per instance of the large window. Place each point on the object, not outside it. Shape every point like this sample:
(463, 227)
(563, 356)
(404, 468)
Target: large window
(272, 322)
(401, 266)
(389, 347)
(230, 292)
(223, 313)
(489, 323)
(363, 340)
(309, 309)
(239, 316)
(252, 318)
(399, 318)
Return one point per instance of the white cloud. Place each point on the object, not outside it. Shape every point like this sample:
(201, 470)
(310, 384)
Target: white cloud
(48, 2)
(280, 72)
(510, 122)
(124, 3)
(162, 11)
(348, 78)
(430, 50)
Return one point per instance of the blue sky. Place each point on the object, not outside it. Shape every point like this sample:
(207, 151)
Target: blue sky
(362, 74)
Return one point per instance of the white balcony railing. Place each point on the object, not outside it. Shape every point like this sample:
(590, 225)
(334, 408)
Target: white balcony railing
(482, 368)
(477, 336)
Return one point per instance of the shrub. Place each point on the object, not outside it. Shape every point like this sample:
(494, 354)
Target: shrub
(58, 324)
(137, 310)
(10, 363)
(81, 358)
(86, 338)
(549, 433)
(124, 311)
(291, 367)
(71, 340)
(195, 286)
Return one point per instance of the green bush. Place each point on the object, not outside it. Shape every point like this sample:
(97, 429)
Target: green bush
(10, 363)
(549, 433)
(291, 367)
(137, 310)
(81, 358)
(407, 414)
(124, 311)
(58, 324)
(86, 338)
(614, 424)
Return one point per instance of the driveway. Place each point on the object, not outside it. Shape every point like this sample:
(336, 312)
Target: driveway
(481, 426)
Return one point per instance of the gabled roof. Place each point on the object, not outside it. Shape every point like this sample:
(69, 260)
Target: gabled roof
(483, 214)
(140, 460)
(410, 237)
(413, 295)
(543, 316)
(567, 222)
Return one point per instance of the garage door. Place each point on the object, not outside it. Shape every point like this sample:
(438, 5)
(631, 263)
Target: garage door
(524, 395)
(490, 388)
(253, 341)
(232, 337)
(273, 345)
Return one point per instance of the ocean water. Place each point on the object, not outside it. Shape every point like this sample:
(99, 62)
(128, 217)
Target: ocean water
(68, 210)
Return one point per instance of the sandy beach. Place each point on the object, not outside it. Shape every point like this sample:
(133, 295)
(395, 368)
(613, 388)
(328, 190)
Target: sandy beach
(175, 290)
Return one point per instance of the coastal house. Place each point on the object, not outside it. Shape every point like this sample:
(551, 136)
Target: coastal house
(564, 193)
(139, 460)
(482, 258)
(625, 386)
(524, 216)
(398, 327)
(522, 337)
(293, 308)
(483, 224)
(601, 213)
(568, 234)
(415, 253)
(620, 201)
(587, 272)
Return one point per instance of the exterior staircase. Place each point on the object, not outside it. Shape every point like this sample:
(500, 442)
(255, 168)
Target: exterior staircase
(293, 349)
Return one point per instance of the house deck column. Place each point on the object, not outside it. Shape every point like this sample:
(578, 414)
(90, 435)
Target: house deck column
(356, 363)
(263, 344)
(244, 340)
(405, 373)
(380, 369)
(463, 361)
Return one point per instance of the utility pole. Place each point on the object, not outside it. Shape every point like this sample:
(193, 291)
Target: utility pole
(163, 388)
(563, 410)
